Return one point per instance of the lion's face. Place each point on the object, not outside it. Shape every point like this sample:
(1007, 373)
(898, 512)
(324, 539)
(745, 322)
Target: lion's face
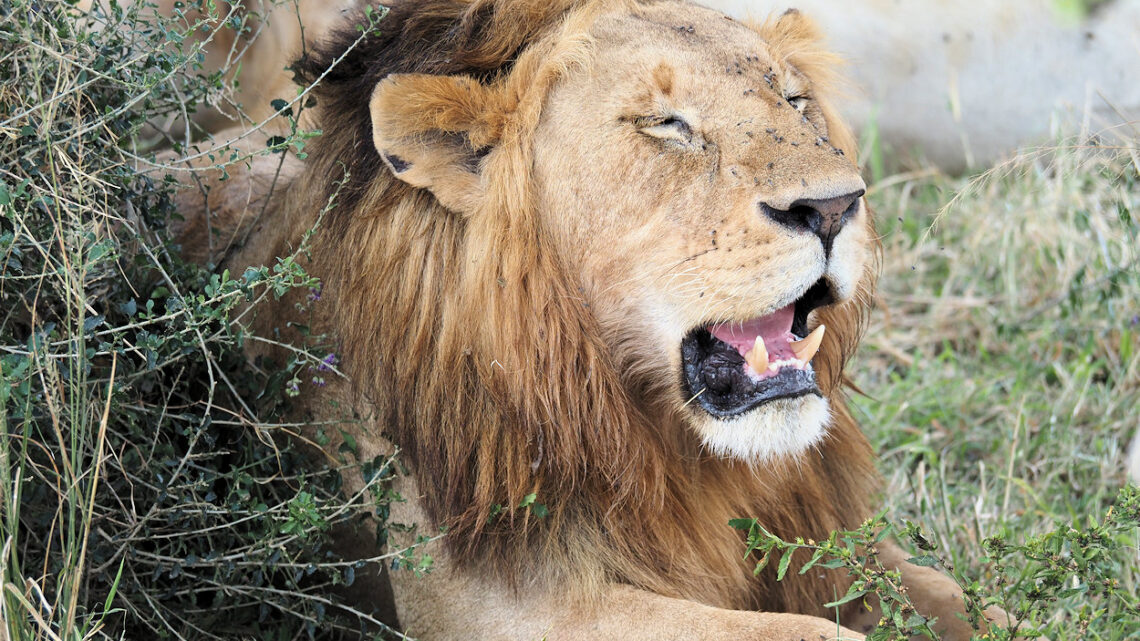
(684, 174)
(689, 179)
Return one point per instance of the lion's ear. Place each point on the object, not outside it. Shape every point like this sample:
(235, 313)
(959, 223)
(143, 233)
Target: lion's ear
(796, 38)
(433, 131)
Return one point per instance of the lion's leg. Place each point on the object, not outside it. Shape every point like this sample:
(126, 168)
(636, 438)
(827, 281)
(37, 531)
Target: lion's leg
(449, 603)
(252, 41)
(934, 594)
(628, 613)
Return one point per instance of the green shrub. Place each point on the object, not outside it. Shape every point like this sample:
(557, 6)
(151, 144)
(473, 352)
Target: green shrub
(1075, 567)
(149, 487)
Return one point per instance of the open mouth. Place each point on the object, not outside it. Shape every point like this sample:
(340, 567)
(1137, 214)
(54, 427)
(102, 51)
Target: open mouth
(732, 368)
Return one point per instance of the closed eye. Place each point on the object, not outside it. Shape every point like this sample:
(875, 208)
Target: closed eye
(798, 102)
(670, 128)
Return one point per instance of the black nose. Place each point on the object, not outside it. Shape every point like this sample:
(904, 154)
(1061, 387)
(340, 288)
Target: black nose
(823, 217)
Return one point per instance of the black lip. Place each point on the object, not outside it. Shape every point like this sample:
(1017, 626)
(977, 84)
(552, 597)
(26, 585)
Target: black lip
(818, 295)
(712, 372)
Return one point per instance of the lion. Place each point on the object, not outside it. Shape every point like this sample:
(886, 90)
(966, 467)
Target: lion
(610, 257)
(253, 41)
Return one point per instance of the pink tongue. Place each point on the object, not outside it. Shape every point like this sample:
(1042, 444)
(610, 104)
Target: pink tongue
(775, 328)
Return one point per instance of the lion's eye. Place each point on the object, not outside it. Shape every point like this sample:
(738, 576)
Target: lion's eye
(668, 128)
(798, 102)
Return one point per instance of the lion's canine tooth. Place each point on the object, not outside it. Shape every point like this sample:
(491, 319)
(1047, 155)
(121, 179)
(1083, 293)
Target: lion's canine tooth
(805, 349)
(757, 357)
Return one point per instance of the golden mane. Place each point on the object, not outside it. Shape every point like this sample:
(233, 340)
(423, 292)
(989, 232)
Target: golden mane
(469, 338)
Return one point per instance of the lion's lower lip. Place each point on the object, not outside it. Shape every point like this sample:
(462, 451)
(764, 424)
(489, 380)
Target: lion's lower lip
(715, 378)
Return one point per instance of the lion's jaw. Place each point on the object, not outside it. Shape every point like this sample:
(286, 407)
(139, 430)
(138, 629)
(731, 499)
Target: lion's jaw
(678, 251)
(782, 427)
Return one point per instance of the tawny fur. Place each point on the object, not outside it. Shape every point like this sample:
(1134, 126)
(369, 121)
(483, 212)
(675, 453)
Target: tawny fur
(476, 400)
(465, 333)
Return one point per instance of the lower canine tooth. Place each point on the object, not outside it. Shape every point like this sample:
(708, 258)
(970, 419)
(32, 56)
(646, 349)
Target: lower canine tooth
(806, 349)
(757, 357)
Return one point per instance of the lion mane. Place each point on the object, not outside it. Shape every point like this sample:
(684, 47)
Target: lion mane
(468, 338)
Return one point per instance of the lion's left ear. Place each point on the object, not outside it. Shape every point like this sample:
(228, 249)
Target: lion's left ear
(433, 131)
(795, 38)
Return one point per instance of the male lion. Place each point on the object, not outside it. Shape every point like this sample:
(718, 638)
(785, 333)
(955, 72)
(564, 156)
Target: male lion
(613, 254)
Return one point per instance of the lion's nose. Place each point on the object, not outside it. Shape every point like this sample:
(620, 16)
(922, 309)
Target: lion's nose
(823, 217)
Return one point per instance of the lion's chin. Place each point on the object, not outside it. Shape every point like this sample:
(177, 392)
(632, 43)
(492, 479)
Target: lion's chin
(781, 428)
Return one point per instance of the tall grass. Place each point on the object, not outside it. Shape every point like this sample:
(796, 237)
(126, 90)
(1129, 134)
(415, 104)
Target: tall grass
(148, 491)
(1002, 368)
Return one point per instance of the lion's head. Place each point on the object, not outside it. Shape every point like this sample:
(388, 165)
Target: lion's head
(584, 245)
(685, 171)
(703, 203)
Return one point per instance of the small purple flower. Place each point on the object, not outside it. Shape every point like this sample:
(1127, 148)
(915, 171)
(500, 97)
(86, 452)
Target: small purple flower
(315, 293)
(1135, 321)
(318, 381)
(327, 363)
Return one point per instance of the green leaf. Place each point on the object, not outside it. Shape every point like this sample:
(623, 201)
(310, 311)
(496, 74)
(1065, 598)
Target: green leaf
(495, 510)
(349, 442)
(1081, 588)
(925, 561)
(852, 594)
(92, 322)
(762, 563)
(281, 105)
(815, 557)
(915, 620)
(114, 586)
(784, 562)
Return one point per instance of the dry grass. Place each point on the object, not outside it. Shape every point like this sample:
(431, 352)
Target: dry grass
(1002, 370)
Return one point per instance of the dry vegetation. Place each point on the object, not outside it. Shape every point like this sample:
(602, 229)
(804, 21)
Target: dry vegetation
(149, 487)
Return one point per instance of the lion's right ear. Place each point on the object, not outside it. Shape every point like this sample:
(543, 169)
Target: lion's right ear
(433, 131)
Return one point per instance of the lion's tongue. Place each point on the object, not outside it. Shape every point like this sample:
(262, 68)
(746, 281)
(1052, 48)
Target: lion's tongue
(775, 329)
